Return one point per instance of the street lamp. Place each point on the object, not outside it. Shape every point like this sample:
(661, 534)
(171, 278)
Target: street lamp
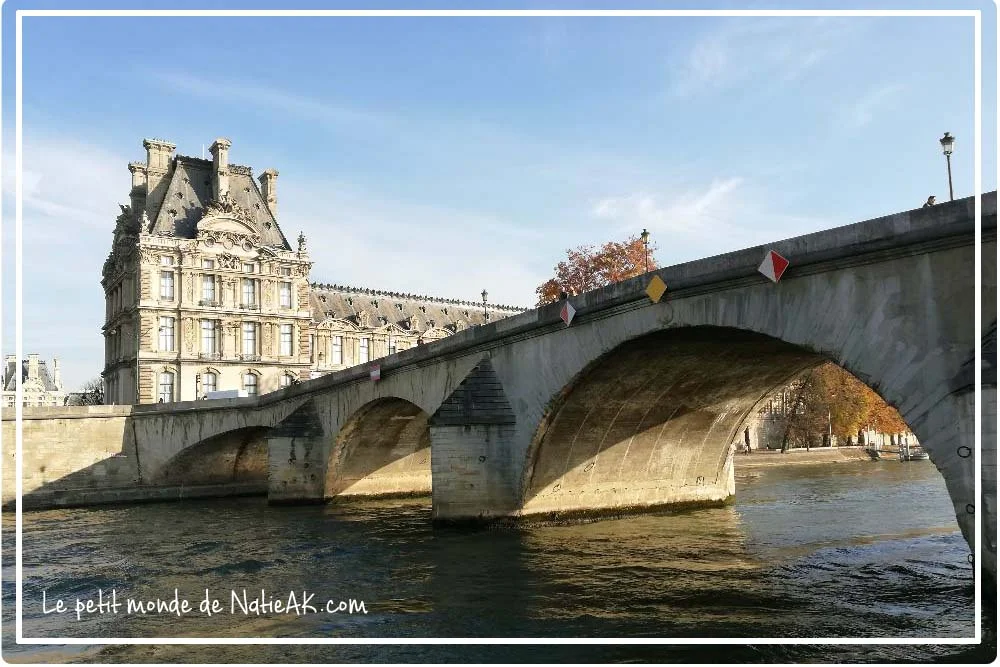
(947, 144)
(645, 243)
(486, 315)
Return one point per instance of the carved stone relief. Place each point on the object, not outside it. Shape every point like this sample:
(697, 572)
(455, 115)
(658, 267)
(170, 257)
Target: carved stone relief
(190, 335)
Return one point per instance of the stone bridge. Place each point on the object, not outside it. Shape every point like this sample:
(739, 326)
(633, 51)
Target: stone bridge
(635, 404)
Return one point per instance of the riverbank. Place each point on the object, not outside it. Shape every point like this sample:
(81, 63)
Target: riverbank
(815, 455)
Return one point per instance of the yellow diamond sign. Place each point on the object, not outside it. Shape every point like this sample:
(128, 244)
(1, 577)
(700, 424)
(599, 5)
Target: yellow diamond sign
(655, 289)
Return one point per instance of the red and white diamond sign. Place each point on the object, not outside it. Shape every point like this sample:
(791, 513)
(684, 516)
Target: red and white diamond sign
(375, 373)
(773, 265)
(567, 312)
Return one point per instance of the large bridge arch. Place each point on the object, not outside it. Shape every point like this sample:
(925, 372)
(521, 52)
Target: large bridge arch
(652, 421)
(383, 449)
(237, 456)
(899, 319)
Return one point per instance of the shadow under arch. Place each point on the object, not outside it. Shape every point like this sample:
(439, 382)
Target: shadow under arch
(652, 421)
(382, 450)
(235, 456)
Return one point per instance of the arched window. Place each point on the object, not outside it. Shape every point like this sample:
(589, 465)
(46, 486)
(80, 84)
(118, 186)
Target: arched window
(286, 380)
(250, 384)
(209, 382)
(166, 387)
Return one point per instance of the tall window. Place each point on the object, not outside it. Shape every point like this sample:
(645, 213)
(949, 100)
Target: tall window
(208, 337)
(249, 338)
(249, 293)
(167, 285)
(337, 356)
(363, 350)
(209, 382)
(208, 288)
(392, 345)
(166, 334)
(285, 295)
(166, 387)
(286, 340)
(250, 384)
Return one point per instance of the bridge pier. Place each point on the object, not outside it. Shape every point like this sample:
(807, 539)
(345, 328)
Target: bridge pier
(472, 437)
(297, 458)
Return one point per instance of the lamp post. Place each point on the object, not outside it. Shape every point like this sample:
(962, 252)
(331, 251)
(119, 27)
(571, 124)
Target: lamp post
(645, 243)
(485, 314)
(947, 144)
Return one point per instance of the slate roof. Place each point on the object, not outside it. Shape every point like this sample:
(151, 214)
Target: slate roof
(384, 307)
(9, 370)
(190, 190)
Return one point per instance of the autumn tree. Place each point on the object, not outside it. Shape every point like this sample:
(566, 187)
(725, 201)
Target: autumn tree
(828, 399)
(588, 267)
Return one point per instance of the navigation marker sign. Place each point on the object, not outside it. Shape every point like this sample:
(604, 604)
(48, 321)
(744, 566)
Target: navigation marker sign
(773, 266)
(375, 373)
(655, 289)
(567, 312)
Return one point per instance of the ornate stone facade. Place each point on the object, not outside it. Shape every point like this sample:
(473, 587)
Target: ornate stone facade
(39, 386)
(203, 291)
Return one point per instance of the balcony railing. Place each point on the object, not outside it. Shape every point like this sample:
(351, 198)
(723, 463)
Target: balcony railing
(250, 306)
(211, 356)
(209, 302)
(249, 357)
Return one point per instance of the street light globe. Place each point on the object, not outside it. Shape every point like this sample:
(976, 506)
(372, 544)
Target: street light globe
(947, 143)
(644, 236)
(484, 296)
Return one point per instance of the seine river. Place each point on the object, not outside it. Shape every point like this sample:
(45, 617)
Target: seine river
(864, 549)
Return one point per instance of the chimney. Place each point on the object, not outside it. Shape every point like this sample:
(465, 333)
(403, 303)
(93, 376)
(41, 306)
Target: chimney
(138, 193)
(269, 188)
(159, 155)
(220, 168)
(32, 366)
(56, 378)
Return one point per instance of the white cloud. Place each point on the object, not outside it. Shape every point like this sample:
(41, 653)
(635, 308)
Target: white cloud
(361, 239)
(693, 212)
(863, 111)
(273, 98)
(725, 215)
(756, 49)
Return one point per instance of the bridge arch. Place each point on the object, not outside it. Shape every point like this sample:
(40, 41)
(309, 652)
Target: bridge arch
(654, 420)
(382, 449)
(237, 456)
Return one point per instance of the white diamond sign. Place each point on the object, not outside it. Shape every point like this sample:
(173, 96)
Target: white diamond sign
(567, 312)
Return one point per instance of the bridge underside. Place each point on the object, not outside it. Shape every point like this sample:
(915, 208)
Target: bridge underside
(238, 456)
(651, 423)
(383, 450)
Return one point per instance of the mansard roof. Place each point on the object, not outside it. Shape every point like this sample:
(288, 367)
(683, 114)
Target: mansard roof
(190, 191)
(381, 308)
(10, 370)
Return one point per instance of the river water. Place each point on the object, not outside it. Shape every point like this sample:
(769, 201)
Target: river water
(863, 549)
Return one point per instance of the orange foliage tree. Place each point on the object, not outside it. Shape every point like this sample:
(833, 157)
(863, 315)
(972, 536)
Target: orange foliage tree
(589, 267)
(828, 398)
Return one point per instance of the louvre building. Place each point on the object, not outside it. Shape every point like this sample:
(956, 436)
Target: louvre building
(204, 292)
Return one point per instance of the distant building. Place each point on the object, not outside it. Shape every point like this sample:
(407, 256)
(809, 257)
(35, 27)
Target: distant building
(40, 385)
(204, 292)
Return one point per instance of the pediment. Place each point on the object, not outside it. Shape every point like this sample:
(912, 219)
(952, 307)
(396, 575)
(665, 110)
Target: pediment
(224, 223)
(339, 324)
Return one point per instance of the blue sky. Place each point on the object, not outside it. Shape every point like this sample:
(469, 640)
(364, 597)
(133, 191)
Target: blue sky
(447, 155)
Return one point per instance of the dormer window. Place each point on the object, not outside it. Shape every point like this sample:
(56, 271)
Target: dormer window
(166, 260)
(248, 267)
